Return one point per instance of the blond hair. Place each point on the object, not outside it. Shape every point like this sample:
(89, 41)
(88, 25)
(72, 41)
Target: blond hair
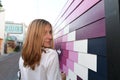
(32, 47)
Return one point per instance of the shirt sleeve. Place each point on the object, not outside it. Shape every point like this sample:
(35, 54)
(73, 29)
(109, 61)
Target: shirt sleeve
(21, 68)
(53, 72)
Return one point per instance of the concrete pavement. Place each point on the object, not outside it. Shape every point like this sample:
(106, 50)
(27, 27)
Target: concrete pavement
(9, 66)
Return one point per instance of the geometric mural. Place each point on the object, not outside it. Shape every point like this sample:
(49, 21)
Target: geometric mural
(80, 34)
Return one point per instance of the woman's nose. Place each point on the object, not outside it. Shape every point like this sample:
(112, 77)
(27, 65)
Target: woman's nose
(49, 36)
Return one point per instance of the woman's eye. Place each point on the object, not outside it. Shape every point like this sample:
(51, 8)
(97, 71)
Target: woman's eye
(50, 32)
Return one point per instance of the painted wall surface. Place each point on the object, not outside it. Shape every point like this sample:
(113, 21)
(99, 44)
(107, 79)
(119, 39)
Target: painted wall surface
(80, 35)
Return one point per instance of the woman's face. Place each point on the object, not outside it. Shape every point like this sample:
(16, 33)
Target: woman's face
(47, 39)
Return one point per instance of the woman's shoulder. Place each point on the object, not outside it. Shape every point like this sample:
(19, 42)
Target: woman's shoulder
(20, 59)
(51, 52)
(20, 62)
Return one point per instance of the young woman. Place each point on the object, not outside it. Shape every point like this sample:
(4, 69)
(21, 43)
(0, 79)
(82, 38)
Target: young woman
(39, 61)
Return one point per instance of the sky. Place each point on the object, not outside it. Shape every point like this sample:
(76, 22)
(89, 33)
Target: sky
(24, 11)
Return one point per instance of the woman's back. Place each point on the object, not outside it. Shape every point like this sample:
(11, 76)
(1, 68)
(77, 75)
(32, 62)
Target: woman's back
(47, 70)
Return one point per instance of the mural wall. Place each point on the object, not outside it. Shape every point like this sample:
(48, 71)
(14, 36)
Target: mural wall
(81, 36)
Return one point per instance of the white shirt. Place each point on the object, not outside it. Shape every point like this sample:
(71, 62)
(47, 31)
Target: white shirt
(47, 70)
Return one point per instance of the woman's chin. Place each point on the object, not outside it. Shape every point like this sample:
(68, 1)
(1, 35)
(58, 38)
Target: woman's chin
(47, 45)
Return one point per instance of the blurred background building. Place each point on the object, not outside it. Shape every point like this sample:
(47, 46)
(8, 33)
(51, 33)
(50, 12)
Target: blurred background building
(2, 27)
(14, 36)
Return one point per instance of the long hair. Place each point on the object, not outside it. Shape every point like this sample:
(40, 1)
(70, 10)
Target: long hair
(32, 47)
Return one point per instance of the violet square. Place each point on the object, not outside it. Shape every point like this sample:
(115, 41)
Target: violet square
(73, 56)
(64, 60)
(94, 30)
(69, 46)
(65, 53)
(70, 64)
(65, 69)
(84, 6)
(64, 38)
(63, 45)
(61, 65)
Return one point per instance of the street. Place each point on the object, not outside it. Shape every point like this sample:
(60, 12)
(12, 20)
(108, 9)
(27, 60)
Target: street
(9, 66)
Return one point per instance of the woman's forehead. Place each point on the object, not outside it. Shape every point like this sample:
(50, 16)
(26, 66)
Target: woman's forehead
(48, 28)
